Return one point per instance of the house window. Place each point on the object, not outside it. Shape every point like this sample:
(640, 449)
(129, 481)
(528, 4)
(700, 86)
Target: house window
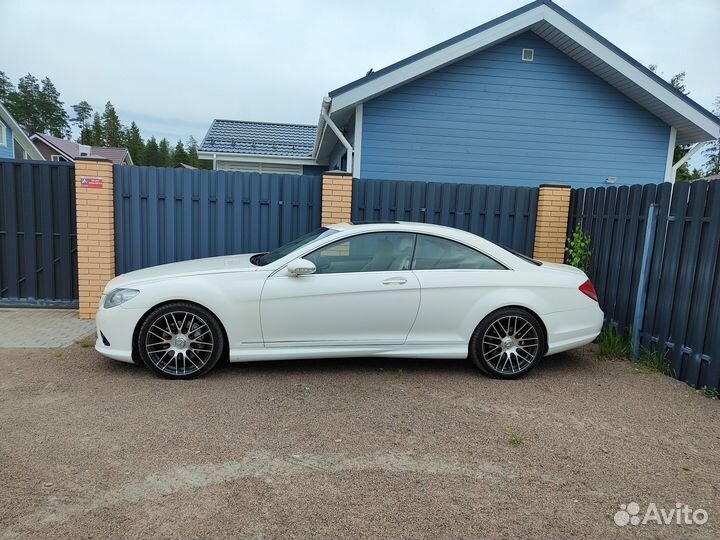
(528, 55)
(3, 134)
(56, 157)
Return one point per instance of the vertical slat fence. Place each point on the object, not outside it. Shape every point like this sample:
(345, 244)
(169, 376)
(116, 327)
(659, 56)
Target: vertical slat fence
(681, 321)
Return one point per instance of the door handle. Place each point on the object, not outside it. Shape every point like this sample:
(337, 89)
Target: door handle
(395, 281)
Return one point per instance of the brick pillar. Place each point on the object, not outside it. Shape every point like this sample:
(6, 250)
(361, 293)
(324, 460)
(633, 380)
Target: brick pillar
(336, 197)
(95, 230)
(551, 225)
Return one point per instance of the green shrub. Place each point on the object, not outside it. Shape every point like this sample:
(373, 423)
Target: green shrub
(612, 343)
(578, 250)
(652, 361)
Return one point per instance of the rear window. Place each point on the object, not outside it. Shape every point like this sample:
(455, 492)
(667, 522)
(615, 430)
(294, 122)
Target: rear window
(433, 253)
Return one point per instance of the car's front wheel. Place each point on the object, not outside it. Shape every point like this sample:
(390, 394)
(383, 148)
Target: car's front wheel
(508, 343)
(180, 340)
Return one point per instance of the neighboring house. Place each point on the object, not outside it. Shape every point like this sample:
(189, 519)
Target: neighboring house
(14, 143)
(532, 97)
(57, 149)
(234, 145)
(710, 178)
(185, 166)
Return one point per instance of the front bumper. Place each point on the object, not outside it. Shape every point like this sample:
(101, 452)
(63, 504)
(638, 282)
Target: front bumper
(118, 326)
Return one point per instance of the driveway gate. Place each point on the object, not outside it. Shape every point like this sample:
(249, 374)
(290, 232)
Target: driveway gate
(38, 259)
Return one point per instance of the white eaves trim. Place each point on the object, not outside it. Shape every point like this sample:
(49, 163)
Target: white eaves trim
(255, 158)
(631, 72)
(438, 59)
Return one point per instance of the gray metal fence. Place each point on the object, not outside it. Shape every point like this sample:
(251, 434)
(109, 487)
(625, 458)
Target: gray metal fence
(503, 214)
(165, 215)
(681, 317)
(38, 258)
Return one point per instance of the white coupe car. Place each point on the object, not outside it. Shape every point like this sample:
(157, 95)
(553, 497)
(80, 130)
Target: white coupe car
(351, 290)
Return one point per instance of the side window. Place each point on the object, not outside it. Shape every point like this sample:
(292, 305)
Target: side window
(372, 252)
(432, 253)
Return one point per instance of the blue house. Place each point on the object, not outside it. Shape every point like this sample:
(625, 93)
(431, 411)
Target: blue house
(14, 142)
(532, 97)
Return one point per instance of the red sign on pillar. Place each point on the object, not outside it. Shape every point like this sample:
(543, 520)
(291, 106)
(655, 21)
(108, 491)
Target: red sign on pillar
(91, 181)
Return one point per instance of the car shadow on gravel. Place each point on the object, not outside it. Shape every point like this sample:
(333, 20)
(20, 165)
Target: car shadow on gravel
(550, 366)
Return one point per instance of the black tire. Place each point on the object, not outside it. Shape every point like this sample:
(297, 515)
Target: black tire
(508, 343)
(173, 341)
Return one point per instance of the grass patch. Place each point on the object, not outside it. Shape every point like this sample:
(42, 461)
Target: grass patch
(710, 393)
(87, 342)
(651, 361)
(515, 438)
(612, 343)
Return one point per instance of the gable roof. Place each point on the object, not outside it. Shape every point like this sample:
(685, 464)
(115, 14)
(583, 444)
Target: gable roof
(19, 134)
(260, 139)
(71, 149)
(693, 122)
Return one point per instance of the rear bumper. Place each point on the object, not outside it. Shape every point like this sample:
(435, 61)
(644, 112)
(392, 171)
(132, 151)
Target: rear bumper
(571, 329)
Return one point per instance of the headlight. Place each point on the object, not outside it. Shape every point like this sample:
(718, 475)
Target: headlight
(119, 296)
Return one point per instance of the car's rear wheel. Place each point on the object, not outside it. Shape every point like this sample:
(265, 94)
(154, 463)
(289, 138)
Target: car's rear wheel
(508, 343)
(180, 341)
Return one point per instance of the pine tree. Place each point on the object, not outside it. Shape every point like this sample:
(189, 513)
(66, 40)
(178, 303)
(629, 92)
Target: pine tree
(192, 158)
(133, 141)
(51, 112)
(712, 150)
(112, 128)
(7, 89)
(96, 133)
(165, 160)
(179, 154)
(83, 112)
(24, 104)
(152, 153)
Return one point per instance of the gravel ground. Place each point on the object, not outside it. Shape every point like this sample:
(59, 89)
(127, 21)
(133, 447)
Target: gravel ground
(90, 448)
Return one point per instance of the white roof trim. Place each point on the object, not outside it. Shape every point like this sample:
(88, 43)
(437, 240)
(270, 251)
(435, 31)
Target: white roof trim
(438, 59)
(631, 72)
(37, 137)
(509, 26)
(18, 133)
(255, 158)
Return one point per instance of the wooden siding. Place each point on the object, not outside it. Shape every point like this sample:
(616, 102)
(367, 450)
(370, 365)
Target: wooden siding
(6, 150)
(492, 118)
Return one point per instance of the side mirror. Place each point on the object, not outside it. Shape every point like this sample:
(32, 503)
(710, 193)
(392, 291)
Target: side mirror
(301, 267)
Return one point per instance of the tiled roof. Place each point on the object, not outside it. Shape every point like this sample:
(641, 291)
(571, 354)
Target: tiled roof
(72, 149)
(260, 138)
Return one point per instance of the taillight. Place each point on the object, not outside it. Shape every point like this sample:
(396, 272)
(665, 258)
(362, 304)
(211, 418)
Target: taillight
(588, 290)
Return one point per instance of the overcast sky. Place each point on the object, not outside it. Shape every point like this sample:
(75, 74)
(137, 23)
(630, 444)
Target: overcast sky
(173, 66)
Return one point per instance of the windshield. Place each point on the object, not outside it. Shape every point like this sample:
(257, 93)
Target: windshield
(279, 253)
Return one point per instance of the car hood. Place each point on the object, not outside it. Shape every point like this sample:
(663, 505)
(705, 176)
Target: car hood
(210, 265)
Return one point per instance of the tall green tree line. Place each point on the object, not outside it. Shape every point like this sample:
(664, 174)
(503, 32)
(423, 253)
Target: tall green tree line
(37, 107)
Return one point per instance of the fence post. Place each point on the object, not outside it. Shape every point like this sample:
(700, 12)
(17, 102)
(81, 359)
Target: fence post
(336, 197)
(641, 297)
(95, 230)
(551, 223)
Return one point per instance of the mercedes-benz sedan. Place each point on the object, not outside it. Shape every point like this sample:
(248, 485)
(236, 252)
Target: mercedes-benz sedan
(351, 290)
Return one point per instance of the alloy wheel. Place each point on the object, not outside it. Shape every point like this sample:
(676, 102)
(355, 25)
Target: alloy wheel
(179, 343)
(510, 345)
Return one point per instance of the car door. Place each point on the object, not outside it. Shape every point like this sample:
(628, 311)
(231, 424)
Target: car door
(453, 278)
(362, 292)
